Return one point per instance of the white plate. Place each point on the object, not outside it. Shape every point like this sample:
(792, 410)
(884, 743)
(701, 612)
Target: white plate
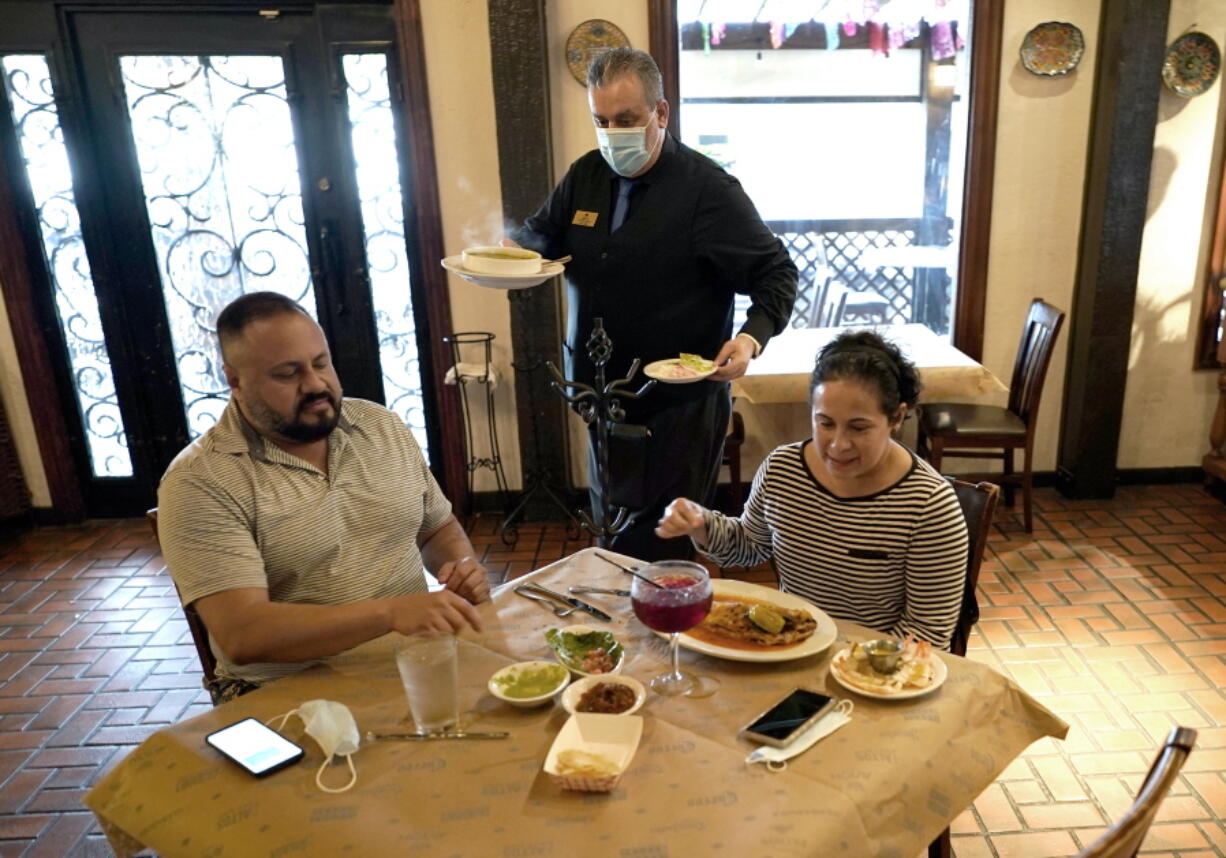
(656, 370)
(939, 672)
(455, 265)
(821, 638)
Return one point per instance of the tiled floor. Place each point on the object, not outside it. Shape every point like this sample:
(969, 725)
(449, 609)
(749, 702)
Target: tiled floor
(1113, 613)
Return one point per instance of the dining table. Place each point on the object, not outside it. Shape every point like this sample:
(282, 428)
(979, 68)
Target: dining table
(885, 784)
(781, 373)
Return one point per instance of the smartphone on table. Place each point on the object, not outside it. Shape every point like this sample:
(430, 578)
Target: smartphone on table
(785, 720)
(259, 749)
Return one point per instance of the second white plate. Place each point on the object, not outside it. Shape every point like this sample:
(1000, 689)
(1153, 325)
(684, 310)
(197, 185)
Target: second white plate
(661, 370)
(455, 265)
(821, 638)
(939, 672)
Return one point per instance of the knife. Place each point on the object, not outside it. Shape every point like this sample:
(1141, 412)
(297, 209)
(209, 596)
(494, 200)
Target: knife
(370, 735)
(606, 590)
(620, 566)
(570, 600)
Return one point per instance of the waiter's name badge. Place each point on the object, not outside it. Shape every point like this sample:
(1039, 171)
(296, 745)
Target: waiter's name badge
(583, 218)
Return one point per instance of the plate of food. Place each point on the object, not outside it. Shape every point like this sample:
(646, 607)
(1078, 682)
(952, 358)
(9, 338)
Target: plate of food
(749, 622)
(918, 671)
(685, 369)
(586, 651)
(456, 265)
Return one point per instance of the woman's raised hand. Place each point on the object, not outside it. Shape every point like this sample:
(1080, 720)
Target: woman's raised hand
(683, 517)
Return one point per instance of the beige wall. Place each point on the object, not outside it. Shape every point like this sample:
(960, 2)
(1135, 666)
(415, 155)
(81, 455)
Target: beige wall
(1168, 406)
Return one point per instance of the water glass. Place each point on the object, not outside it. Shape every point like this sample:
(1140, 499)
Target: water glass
(429, 669)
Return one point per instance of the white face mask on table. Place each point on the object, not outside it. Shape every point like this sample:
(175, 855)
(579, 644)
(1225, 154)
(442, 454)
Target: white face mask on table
(624, 149)
(776, 758)
(332, 726)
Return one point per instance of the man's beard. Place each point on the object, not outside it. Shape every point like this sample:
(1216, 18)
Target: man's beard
(300, 430)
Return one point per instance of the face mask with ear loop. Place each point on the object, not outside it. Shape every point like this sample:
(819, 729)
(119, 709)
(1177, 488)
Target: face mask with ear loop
(332, 726)
(776, 758)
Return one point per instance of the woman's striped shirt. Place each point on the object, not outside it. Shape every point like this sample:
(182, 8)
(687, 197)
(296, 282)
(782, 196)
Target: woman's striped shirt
(894, 561)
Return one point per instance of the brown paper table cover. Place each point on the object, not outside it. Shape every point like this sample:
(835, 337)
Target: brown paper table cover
(884, 785)
(782, 372)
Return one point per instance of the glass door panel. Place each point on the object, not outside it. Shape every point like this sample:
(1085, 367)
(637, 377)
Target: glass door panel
(373, 142)
(40, 138)
(219, 169)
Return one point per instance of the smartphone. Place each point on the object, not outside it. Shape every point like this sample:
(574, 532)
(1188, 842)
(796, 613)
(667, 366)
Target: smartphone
(780, 724)
(259, 749)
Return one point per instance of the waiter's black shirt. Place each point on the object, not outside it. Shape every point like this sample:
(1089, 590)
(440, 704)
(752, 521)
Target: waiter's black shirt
(664, 282)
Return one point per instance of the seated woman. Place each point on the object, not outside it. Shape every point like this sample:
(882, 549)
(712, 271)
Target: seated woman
(857, 523)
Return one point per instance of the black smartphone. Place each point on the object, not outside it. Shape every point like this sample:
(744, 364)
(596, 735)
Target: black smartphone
(259, 749)
(780, 724)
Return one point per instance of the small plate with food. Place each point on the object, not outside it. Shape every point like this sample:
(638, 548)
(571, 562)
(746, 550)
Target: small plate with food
(528, 683)
(685, 369)
(607, 695)
(502, 267)
(586, 651)
(749, 622)
(918, 671)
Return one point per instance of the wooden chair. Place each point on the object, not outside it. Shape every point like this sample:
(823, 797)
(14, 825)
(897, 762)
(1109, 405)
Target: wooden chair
(992, 432)
(1123, 839)
(978, 502)
(195, 624)
(732, 458)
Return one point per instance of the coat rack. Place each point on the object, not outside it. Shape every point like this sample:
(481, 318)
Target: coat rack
(600, 404)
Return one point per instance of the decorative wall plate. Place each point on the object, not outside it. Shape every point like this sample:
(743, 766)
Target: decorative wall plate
(589, 39)
(1053, 48)
(1192, 64)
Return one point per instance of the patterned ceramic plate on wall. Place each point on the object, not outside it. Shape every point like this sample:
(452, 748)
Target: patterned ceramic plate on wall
(1192, 64)
(1053, 48)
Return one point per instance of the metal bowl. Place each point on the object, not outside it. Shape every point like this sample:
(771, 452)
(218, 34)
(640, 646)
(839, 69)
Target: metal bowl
(883, 654)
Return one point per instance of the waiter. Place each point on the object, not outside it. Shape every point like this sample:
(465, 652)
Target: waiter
(661, 239)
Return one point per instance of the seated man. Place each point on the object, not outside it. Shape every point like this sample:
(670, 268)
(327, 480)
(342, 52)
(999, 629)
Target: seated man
(300, 526)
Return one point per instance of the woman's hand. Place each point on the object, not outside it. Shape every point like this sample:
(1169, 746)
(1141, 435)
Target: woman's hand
(683, 517)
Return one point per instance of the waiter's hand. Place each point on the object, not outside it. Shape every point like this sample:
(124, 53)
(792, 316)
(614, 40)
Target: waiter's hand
(465, 577)
(508, 242)
(733, 359)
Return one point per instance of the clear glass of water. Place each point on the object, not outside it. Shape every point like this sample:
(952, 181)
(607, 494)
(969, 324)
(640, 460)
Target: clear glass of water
(429, 669)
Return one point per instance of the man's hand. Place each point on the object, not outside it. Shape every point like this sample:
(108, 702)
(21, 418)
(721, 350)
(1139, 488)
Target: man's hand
(683, 517)
(465, 577)
(443, 611)
(733, 359)
(508, 242)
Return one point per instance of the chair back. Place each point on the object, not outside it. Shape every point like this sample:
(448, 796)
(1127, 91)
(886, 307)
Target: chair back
(978, 502)
(1123, 839)
(1043, 324)
(195, 623)
(829, 313)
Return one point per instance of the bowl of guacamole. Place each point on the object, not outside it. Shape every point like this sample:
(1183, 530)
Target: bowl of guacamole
(529, 683)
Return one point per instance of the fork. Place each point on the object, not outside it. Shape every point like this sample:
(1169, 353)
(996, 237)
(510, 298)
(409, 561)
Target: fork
(558, 610)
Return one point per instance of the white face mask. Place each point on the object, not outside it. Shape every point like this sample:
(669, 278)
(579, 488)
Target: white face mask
(624, 149)
(332, 726)
(776, 758)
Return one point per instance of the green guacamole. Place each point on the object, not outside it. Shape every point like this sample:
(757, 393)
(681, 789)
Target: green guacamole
(532, 681)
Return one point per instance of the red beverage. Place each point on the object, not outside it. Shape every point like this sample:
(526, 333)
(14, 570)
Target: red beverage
(680, 603)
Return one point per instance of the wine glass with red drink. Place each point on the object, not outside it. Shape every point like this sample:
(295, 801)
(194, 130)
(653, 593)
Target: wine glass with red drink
(672, 596)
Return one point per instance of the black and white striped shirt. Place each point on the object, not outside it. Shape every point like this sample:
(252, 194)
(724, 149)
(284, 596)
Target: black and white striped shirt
(894, 561)
(235, 512)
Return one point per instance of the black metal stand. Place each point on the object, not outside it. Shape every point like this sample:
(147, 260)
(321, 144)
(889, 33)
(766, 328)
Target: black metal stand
(536, 480)
(600, 404)
(478, 373)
